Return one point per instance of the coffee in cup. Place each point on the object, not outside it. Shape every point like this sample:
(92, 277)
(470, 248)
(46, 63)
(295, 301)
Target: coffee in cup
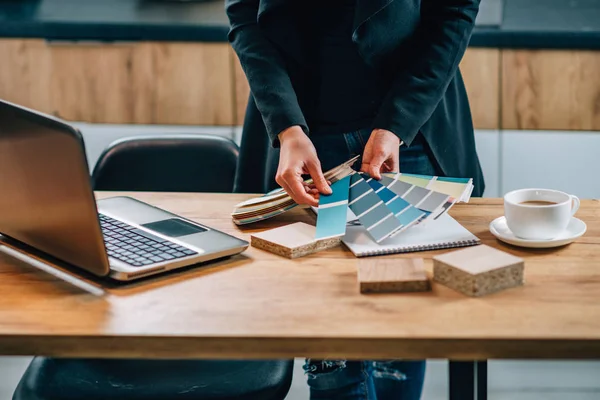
(539, 214)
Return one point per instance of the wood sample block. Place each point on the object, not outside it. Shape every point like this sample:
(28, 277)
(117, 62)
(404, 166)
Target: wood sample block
(379, 275)
(292, 241)
(478, 270)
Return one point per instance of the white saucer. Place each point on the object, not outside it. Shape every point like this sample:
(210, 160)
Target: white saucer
(575, 229)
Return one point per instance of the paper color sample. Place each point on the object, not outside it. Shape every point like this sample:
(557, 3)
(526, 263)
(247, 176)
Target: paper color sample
(453, 189)
(371, 211)
(405, 212)
(331, 217)
(427, 200)
(458, 188)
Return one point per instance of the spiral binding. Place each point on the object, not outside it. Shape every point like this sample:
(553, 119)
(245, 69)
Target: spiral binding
(410, 249)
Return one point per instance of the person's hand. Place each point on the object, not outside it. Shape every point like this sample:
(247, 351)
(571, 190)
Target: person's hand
(298, 156)
(382, 154)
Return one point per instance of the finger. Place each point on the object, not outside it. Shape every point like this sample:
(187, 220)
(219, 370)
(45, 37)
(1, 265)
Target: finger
(286, 180)
(374, 167)
(387, 166)
(312, 185)
(313, 192)
(298, 192)
(394, 163)
(366, 158)
(314, 167)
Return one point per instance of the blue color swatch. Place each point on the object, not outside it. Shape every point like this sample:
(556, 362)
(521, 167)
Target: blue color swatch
(331, 218)
(405, 212)
(378, 219)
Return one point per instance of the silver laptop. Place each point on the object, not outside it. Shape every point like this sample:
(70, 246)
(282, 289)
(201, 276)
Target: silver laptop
(47, 203)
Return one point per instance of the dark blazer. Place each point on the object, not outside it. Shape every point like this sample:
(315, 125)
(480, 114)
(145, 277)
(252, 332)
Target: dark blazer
(420, 42)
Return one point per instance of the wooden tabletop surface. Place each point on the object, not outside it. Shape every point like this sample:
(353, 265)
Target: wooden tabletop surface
(259, 305)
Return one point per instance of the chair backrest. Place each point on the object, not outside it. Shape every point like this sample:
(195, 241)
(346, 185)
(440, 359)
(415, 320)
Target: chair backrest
(169, 163)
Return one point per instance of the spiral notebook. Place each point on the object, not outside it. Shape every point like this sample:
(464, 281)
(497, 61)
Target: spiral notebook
(442, 233)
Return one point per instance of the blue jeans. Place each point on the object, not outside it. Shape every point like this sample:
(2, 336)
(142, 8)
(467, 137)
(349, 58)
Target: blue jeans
(368, 380)
(365, 380)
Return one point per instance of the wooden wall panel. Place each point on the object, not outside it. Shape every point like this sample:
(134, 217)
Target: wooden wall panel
(97, 83)
(25, 73)
(142, 82)
(551, 89)
(193, 83)
(142, 69)
(242, 89)
(481, 72)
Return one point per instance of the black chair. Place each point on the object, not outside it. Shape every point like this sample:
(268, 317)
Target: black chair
(170, 163)
(178, 164)
(104, 379)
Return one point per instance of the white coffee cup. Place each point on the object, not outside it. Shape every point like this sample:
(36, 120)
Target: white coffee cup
(539, 221)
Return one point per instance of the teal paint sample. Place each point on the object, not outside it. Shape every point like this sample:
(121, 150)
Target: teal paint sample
(339, 192)
(454, 180)
(411, 215)
(331, 216)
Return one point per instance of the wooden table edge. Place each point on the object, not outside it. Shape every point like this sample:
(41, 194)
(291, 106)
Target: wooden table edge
(78, 346)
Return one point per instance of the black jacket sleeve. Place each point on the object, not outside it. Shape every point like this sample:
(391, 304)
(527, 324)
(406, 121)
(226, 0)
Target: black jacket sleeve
(435, 53)
(265, 70)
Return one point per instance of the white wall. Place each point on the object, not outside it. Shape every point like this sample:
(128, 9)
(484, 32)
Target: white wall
(488, 150)
(567, 161)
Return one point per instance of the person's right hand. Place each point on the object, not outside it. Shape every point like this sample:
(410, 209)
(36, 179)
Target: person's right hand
(298, 156)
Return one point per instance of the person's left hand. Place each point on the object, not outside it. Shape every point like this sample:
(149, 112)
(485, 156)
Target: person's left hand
(382, 154)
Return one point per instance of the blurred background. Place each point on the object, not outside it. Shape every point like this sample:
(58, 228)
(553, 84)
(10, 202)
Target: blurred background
(122, 68)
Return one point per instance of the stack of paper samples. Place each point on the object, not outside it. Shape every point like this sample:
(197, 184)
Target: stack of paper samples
(278, 201)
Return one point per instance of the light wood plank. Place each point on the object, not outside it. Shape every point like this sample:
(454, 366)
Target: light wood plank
(194, 84)
(242, 89)
(142, 82)
(382, 274)
(25, 73)
(259, 305)
(480, 68)
(551, 89)
(104, 83)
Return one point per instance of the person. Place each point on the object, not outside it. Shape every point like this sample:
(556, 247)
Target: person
(337, 78)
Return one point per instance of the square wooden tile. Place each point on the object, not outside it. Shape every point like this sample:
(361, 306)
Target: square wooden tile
(378, 274)
(292, 241)
(478, 270)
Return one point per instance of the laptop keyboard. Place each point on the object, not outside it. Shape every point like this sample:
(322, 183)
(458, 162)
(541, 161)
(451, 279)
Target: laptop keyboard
(137, 247)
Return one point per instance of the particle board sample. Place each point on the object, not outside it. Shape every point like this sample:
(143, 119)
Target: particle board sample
(478, 271)
(378, 275)
(292, 241)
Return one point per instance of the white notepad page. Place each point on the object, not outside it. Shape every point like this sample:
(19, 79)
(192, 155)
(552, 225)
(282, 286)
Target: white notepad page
(444, 232)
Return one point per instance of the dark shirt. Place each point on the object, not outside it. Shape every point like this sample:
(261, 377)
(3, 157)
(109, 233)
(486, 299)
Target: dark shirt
(346, 92)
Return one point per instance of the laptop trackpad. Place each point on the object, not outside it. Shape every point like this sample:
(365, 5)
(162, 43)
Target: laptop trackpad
(174, 227)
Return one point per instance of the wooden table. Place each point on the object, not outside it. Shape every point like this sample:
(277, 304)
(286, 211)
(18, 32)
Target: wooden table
(258, 305)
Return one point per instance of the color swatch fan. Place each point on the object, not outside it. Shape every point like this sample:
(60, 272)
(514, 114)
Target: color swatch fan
(385, 208)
